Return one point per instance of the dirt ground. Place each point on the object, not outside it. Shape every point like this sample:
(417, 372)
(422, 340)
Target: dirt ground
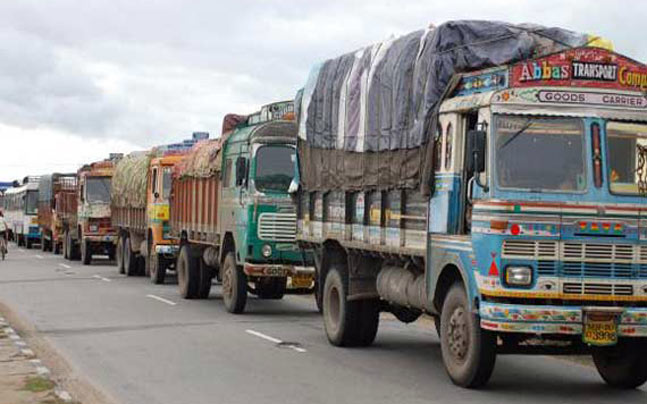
(22, 379)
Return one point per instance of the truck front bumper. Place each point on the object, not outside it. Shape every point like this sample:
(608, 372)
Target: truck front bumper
(105, 238)
(566, 320)
(166, 249)
(278, 270)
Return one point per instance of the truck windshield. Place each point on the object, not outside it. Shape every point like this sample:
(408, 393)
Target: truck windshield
(166, 182)
(627, 144)
(98, 190)
(31, 202)
(535, 154)
(274, 168)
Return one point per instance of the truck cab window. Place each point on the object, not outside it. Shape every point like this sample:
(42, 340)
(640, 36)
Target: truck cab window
(226, 178)
(166, 182)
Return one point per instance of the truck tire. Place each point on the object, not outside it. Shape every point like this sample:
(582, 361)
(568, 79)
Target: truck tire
(156, 268)
(28, 243)
(271, 288)
(188, 273)
(318, 295)
(347, 323)
(206, 275)
(56, 249)
(468, 351)
(66, 245)
(234, 285)
(130, 259)
(623, 366)
(86, 253)
(119, 254)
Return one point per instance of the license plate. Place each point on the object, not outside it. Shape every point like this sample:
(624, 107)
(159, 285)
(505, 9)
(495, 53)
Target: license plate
(600, 329)
(275, 271)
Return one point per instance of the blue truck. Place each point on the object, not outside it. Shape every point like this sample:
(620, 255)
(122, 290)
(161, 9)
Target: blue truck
(512, 210)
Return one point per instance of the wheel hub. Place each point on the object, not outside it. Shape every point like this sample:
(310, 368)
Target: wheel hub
(226, 283)
(458, 337)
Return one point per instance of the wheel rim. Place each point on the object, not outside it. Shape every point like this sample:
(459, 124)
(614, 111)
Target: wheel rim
(227, 283)
(334, 306)
(458, 335)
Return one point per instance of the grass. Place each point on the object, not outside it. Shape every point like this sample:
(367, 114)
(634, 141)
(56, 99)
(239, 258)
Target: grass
(38, 384)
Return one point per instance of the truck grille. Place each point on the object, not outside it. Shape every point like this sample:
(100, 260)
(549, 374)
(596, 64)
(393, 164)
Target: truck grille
(277, 226)
(593, 260)
(604, 289)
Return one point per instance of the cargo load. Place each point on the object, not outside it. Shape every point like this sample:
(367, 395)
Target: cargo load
(129, 180)
(366, 116)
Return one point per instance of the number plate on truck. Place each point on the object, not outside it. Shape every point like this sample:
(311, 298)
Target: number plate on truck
(600, 328)
(302, 281)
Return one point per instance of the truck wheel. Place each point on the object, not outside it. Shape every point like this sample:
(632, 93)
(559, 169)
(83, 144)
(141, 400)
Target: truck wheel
(347, 323)
(130, 259)
(86, 254)
(56, 248)
(469, 352)
(234, 285)
(623, 366)
(271, 288)
(66, 245)
(28, 243)
(119, 254)
(206, 275)
(188, 273)
(156, 271)
(318, 295)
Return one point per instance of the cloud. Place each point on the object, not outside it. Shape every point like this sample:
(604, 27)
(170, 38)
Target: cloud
(151, 72)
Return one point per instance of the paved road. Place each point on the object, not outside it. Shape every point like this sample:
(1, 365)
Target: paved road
(142, 344)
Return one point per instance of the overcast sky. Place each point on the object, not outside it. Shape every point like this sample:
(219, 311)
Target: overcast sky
(80, 79)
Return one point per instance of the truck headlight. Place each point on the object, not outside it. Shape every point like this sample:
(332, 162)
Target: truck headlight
(518, 275)
(266, 251)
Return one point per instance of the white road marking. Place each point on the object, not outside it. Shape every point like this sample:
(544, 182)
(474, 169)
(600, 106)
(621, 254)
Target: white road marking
(40, 257)
(20, 343)
(161, 299)
(273, 340)
(102, 278)
(65, 266)
(27, 352)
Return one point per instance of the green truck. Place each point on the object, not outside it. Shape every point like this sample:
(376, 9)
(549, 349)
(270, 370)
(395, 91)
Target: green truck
(233, 216)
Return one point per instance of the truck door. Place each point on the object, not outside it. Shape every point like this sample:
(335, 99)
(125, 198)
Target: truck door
(469, 122)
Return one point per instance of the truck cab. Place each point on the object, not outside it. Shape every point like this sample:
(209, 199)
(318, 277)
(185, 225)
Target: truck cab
(163, 248)
(94, 232)
(256, 212)
(539, 201)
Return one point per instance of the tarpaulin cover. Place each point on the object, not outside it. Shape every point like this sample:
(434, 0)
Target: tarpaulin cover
(202, 161)
(365, 117)
(129, 180)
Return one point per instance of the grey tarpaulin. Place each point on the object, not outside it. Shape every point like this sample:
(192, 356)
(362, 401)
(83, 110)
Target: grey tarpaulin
(365, 117)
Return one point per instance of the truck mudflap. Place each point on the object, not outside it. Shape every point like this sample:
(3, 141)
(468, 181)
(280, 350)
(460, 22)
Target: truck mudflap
(597, 325)
(107, 238)
(278, 270)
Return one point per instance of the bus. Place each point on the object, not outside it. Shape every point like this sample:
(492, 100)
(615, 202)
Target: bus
(21, 212)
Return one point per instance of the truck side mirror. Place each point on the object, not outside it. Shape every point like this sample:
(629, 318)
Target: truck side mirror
(241, 170)
(476, 144)
(475, 158)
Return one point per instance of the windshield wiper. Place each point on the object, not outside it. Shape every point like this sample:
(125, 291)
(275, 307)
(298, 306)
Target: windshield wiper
(517, 133)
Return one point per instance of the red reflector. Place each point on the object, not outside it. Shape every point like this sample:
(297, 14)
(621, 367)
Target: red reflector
(515, 229)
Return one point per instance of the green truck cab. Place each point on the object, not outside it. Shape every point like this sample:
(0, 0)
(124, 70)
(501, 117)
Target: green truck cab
(232, 212)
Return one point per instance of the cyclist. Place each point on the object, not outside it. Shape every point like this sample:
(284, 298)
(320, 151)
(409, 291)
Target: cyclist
(4, 230)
